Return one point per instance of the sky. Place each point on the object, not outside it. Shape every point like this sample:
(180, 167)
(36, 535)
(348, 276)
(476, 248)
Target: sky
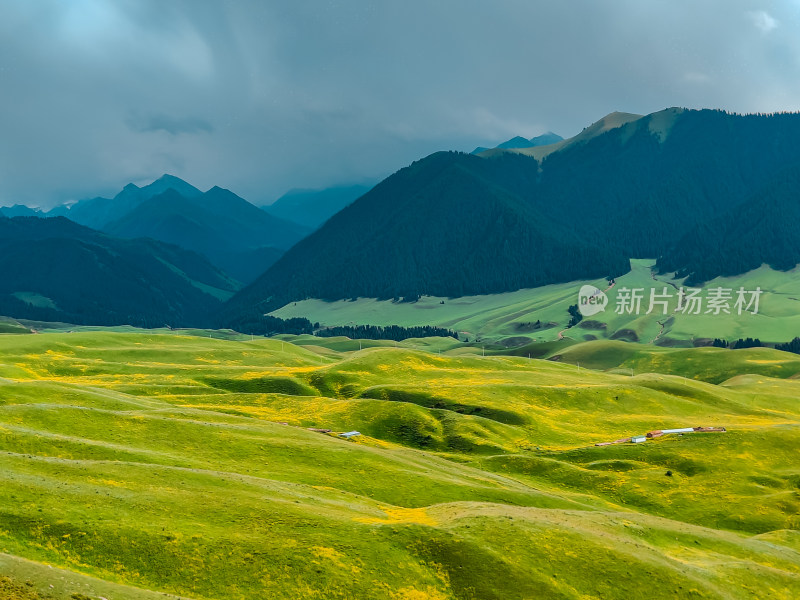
(261, 96)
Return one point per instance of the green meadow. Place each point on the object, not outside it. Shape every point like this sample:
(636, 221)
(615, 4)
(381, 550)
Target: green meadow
(511, 318)
(144, 465)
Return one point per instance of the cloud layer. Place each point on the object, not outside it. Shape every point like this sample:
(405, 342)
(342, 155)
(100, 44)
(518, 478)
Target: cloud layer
(262, 96)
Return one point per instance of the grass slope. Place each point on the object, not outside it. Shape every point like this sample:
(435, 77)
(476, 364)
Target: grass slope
(142, 464)
(512, 316)
(714, 365)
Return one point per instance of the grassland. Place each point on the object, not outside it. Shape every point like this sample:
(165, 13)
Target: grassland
(511, 316)
(138, 465)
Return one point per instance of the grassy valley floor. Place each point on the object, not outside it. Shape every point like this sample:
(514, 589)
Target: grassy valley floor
(511, 318)
(150, 465)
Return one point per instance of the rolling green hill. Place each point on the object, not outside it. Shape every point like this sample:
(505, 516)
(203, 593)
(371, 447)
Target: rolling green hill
(135, 465)
(715, 365)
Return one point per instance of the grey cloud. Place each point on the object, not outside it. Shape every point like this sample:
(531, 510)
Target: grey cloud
(168, 124)
(313, 93)
(763, 20)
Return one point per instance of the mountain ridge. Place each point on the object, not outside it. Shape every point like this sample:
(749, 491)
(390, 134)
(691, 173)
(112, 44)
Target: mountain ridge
(519, 142)
(98, 212)
(58, 270)
(217, 224)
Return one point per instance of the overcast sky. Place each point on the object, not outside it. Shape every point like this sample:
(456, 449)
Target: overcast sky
(261, 96)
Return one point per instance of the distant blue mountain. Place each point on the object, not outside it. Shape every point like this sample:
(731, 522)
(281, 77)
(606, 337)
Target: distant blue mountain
(516, 142)
(20, 210)
(312, 208)
(232, 233)
(99, 212)
(546, 139)
(520, 142)
(235, 235)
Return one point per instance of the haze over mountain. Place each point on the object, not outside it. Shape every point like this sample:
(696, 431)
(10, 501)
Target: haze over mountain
(628, 186)
(56, 270)
(98, 212)
(539, 140)
(312, 208)
(218, 224)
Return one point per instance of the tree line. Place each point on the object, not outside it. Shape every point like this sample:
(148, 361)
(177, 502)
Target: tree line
(390, 332)
(267, 325)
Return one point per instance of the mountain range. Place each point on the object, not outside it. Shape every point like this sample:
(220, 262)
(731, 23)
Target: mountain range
(232, 233)
(235, 235)
(20, 210)
(706, 193)
(98, 212)
(628, 186)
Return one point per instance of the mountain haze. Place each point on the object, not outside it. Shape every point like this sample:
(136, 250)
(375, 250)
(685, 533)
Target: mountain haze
(311, 208)
(98, 212)
(516, 142)
(217, 224)
(234, 234)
